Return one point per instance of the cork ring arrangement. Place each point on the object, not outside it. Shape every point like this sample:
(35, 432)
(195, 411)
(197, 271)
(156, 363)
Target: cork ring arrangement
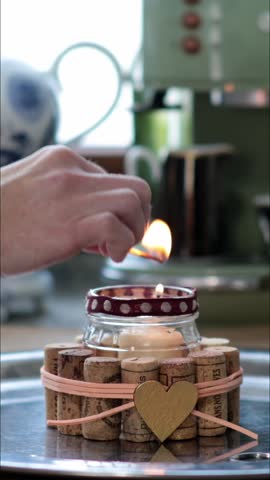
(163, 410)
(192, 391)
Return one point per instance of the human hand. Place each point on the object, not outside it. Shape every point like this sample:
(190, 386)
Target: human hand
(55, 204)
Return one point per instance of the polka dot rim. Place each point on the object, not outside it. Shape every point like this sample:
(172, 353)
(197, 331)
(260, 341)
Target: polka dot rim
(141, 300)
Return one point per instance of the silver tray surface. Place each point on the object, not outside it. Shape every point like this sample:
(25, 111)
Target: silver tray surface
(28, 447)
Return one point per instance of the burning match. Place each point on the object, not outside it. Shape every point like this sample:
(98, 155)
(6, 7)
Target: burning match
(156, 243)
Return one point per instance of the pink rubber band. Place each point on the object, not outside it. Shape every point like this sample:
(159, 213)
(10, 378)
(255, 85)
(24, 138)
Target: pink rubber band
(230, 453)
(91, 418)
(228, 387)
(87, 389)
(225, 423)
(126, 391)
(220, 381)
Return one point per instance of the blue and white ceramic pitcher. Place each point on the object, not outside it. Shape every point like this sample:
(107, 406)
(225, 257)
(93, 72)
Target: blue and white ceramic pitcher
(30, 113)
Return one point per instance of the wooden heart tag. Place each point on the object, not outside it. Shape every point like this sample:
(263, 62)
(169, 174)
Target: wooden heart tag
(163, 411)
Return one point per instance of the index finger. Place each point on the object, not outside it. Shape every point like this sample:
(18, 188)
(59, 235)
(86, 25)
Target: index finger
(138, 185)
(89, 165)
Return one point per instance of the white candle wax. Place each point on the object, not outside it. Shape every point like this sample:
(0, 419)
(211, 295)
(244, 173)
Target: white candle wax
(155, 341)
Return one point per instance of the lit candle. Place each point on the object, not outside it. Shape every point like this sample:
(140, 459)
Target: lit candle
(143, 320)
(151, 341)
(159, 291)
(157, 341)
(138, 293)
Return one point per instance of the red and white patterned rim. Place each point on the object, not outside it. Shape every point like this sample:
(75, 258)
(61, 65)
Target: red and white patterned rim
(141, 300)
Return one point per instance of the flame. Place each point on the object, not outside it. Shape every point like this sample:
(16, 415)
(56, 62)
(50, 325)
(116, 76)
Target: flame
(159, 290)
(156, 243)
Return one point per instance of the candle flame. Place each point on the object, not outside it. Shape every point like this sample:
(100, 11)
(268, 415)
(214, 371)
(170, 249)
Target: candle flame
(159, 290)
(156, 243)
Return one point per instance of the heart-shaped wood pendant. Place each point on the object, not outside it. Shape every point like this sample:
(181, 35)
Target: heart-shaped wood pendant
(163, 411)
(163, 455)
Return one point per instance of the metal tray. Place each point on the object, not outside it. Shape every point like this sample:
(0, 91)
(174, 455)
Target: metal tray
(29, 448)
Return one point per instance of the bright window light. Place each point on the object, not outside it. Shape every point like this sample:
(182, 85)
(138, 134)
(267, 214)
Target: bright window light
(36, 31)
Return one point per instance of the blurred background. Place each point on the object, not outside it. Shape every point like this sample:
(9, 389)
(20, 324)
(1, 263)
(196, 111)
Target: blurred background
(176, 92)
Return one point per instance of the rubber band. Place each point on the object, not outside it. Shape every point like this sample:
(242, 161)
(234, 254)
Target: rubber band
(220, 380)
(91, 418)
(225, 423)
(230, 453)
(126, 391)
(87, 389)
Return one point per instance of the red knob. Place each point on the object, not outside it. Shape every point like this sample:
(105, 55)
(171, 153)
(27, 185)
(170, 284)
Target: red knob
(191, 20)
(191, 45)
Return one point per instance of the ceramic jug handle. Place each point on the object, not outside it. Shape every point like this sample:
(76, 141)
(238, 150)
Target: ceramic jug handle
(140, 153)
(54, 73)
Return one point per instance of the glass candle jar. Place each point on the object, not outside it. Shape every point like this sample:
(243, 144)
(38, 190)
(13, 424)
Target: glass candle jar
(128, 321)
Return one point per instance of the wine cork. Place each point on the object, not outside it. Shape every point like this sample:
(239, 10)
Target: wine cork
(137, 370)
(184, 451)
(232, 358)
(69, 446)
(70, 365)
(101, 370)
(51, 365)
(213, 342)
(234, 439)
(100, 451)
(210, 365)
(137, 452)
(211, 447)
(174, 370)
